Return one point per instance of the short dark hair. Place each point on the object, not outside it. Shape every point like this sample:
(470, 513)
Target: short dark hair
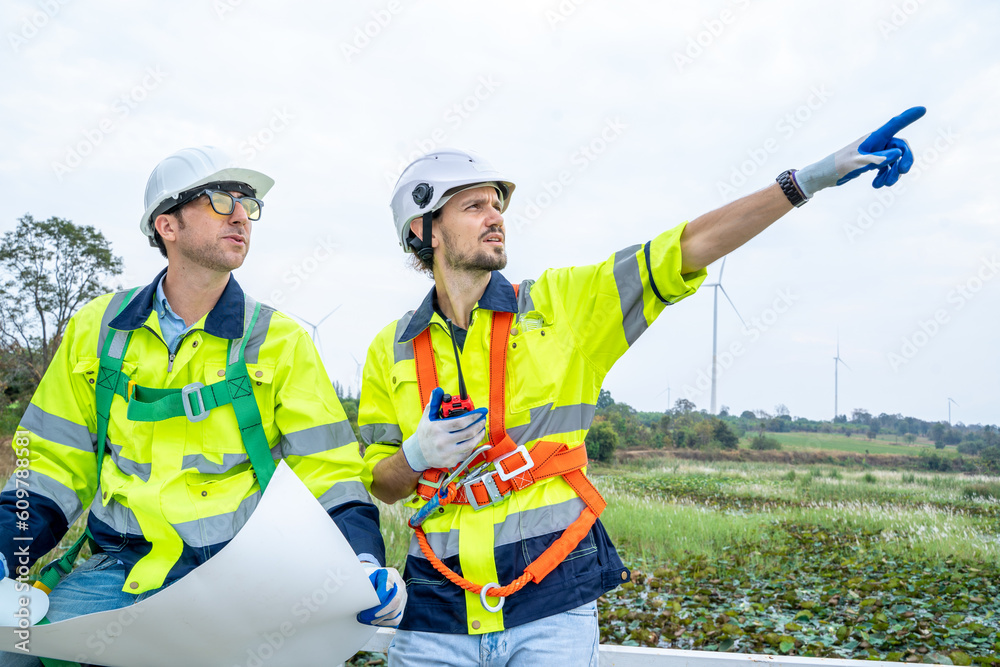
(157, 239)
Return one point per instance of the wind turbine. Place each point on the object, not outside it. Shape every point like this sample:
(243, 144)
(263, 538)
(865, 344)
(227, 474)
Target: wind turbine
(836, 366)
(950, 401)
(315, 327)
(357, 374)
(715, 324)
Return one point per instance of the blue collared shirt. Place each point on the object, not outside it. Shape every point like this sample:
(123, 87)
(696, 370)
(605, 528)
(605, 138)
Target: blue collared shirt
(171, 324)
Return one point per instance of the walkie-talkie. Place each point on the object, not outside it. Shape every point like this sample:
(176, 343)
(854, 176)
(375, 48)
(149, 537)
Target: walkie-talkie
(453, 406)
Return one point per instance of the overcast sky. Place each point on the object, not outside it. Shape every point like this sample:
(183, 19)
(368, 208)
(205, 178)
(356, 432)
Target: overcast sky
(652, 113)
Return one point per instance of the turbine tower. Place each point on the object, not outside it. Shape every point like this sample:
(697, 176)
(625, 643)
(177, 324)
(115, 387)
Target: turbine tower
(836, 366)
(357, 374)
(317, 341)
(715, 325)
(950, 401)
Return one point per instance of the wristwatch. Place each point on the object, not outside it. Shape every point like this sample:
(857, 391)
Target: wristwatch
(791, 189)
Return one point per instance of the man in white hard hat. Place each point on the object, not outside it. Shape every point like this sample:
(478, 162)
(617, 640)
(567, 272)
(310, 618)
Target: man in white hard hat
(508, 556)
(191, 389)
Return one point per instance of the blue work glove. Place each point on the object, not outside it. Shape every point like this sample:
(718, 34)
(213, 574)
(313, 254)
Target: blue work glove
(443, 443)
(391, 595)
(880, 150)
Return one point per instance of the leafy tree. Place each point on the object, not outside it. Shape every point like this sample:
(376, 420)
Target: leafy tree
(781, 410)
(746, 414)
(684, 406)
(604, 399)
(762, 442)
(48, 270)
(861, 416)
(873, 431)
(724, 412)
(937, 434)
(724, 435)
(602, 441)
(991, 458)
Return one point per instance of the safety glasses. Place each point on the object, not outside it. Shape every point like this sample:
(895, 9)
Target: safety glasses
(224, 203)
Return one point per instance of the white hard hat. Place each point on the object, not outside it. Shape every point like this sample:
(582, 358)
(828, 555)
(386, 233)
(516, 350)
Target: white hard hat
(430, 181)
(187, 169)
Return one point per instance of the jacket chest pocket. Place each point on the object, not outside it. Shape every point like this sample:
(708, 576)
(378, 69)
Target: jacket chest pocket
(535, 355)
(87, 375)
(221, 431)
(405, 396)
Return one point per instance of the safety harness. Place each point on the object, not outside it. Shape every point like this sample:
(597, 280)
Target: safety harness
(504, 468)
(194, 401)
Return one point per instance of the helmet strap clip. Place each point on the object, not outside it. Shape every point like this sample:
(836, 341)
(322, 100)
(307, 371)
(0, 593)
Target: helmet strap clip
(424, 247)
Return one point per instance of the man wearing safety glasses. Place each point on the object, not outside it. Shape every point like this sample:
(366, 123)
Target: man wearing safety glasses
(190, 389)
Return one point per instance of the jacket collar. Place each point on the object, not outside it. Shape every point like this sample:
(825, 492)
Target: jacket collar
(225, 320)
(498, 296)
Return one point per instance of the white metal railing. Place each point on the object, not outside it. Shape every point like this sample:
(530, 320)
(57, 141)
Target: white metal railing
(631, 656)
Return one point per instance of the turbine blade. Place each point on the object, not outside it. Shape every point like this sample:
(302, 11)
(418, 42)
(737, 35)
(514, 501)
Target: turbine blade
(734, 306)
(844, 362)
(300, 319)
(722, 268)
(329, 314)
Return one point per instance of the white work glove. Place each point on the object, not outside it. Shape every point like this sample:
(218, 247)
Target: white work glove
(443, 443)
(879, 150)
(391, 595)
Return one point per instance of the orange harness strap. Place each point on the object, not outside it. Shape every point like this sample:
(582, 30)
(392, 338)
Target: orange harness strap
(552, 459)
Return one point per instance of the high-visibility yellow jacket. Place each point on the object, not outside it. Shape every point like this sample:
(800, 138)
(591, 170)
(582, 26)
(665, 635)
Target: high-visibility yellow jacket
(571, 326)
(172, 493)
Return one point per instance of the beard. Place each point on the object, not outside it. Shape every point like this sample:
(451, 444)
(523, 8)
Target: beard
(481, 259)
(208, 254)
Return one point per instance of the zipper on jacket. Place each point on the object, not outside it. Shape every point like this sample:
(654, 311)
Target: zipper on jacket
(170, 362)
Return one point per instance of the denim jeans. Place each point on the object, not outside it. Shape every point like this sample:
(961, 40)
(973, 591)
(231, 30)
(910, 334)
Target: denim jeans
(569, 638)
(96, 585)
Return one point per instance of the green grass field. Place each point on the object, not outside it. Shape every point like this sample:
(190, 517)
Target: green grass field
(859, 445)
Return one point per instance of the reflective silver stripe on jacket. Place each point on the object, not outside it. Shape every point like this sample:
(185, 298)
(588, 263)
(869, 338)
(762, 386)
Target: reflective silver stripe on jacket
(58, 429)
(317, 439)
(517, 527)
(630, 292)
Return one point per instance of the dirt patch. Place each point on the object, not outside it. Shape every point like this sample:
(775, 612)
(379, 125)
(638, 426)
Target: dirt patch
(7, 458)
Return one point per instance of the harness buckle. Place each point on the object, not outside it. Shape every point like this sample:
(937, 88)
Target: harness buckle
(194, 389)
(528, 463)
(488, 480)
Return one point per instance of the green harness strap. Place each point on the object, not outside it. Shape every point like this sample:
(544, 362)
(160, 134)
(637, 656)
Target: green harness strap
(159, 404)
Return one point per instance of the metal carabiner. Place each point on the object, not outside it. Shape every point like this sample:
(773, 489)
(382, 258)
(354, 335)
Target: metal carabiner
(434, 502)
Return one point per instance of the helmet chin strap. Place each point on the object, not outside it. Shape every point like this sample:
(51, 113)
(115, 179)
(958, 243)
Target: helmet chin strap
(424, 250)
